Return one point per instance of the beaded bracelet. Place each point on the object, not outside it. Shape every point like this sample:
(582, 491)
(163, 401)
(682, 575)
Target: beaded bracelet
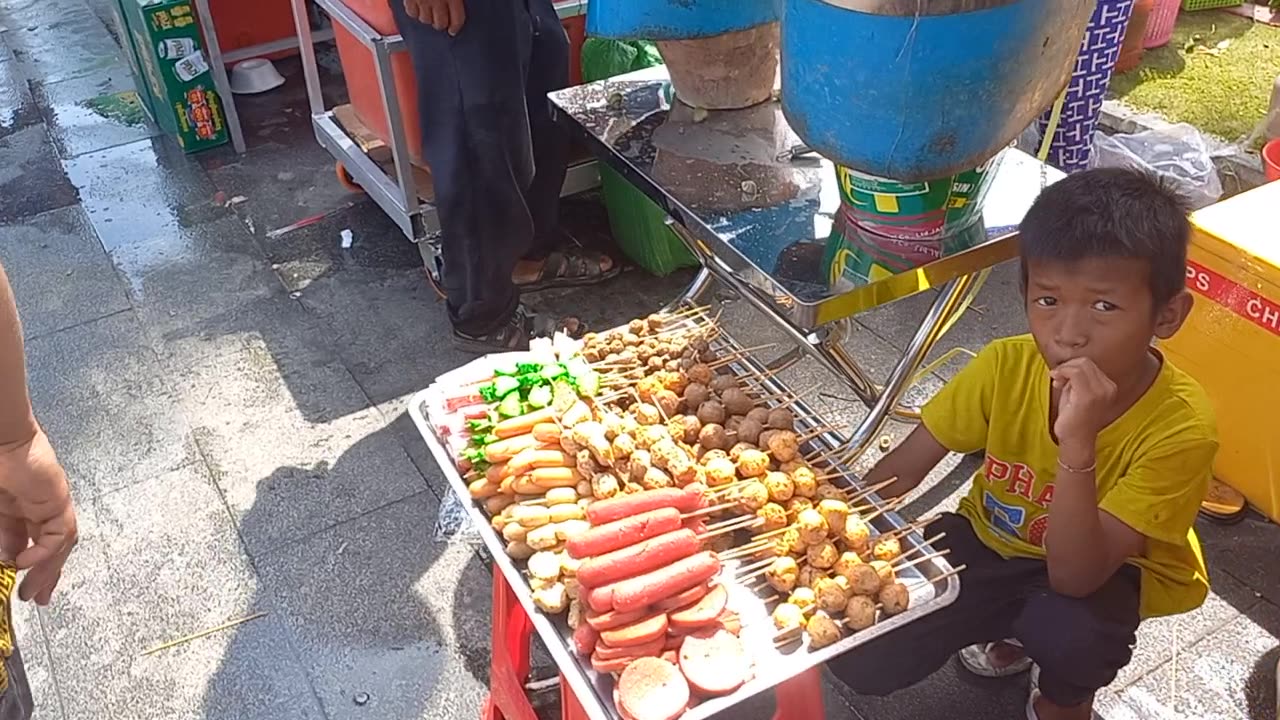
(1078, 471)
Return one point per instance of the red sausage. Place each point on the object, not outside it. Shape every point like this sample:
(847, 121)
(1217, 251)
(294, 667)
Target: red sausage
(621, 533)
(637, 559)
(616, 508)
(714, 662)
(665, 582)
(585, 638)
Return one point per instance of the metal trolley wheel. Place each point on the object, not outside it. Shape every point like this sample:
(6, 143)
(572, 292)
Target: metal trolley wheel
(346, 179)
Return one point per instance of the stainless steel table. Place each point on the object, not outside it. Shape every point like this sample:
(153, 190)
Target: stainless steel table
(757, 211)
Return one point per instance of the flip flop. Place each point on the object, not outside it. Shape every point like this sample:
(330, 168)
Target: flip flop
(570, 267)
(516, 333)
(977, 660)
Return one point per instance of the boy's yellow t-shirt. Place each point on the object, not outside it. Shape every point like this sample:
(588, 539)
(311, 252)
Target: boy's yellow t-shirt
(1154, 465)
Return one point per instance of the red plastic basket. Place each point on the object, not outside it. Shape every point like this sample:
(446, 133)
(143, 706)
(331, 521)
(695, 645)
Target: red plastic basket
(1160, 24)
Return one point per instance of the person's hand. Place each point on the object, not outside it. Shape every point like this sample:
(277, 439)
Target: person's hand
(444, 15)
(37, 521)
(1084, 403)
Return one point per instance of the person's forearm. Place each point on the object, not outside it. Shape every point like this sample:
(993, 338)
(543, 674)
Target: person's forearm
(17, 424)
(1076, 554)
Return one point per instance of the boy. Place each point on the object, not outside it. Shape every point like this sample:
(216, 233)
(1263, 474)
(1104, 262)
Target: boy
(1098, 452)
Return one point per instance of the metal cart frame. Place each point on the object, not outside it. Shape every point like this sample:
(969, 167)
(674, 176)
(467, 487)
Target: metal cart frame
(395, 192)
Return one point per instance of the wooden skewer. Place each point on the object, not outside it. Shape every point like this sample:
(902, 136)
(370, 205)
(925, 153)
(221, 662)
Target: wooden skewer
(731, 521)
(922, 546)
(893, 504)
(757, 573)
(770, 534)
(914, 526)
(708, 510)
(729, 529)
(731, 357)
(917, 561)
(821, 430)
(950, 573)
(694, 310)
(752, 568)
(865, 492)
(745, 551)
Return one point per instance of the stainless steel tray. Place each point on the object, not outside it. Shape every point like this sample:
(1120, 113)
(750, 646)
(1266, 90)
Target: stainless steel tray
(772, 666)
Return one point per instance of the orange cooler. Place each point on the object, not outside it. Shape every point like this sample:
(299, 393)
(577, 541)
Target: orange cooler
(359, 67)
(1231, 342)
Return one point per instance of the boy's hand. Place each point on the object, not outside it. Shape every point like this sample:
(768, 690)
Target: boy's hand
(37, 521)
(443, 15)
(1084, 401)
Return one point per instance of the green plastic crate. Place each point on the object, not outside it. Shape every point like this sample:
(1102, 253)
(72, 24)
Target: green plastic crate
(638, 223)
(1193, 5)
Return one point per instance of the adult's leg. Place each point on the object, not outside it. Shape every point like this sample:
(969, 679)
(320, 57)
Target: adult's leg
(476, 139)
(988, 602)
(1081, 644)
(548, 71)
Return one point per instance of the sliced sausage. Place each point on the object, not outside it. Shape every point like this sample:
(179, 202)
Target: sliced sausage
(585, 638)
(652, 689)
(714, 662)
(612, 619)
(640, 632)
(652, 648)
(702, 613)
(684, 599)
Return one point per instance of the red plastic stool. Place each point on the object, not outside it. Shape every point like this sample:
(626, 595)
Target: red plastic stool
(570, 708)
(800, 698)
(509, 666)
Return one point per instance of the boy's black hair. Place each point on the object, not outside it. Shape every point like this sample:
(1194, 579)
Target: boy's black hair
(1112, 213)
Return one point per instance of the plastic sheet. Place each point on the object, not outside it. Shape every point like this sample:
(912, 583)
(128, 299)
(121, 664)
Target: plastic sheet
(453, 522)
(1178, 153)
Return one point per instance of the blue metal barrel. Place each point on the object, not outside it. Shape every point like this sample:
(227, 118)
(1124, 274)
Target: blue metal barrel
(676, 19)
(921, 89)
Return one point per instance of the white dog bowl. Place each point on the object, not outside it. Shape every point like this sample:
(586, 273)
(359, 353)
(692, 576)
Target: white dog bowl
(253, 76)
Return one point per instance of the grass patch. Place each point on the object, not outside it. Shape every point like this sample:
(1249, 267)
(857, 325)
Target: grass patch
(1225, 91)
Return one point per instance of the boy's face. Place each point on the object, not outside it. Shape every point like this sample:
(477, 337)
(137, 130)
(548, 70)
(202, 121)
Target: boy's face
(1100, 309)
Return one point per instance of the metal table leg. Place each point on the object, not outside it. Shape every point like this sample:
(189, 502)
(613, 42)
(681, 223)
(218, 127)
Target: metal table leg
(219, 70)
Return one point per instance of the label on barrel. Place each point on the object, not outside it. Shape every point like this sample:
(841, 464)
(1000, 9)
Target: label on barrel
(860, 256)
(915, 210)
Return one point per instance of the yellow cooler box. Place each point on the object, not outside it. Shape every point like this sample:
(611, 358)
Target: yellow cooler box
(1231, 343)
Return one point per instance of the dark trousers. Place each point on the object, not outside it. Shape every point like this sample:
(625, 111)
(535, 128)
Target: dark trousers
(497, 157)
(1079, 643)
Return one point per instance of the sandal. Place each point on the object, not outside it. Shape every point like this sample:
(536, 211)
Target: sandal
(516, 333)
(570, 267)
(977, 660)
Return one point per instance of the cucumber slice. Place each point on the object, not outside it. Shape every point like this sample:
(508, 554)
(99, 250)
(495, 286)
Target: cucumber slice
(511, 406)
(551, 372)
(540, 396)
(504, 385)
(589, 384)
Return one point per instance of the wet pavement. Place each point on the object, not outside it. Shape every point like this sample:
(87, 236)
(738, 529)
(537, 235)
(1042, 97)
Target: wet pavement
(229, 401)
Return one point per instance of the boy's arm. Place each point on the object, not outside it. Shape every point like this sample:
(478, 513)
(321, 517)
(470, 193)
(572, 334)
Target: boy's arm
(37, 521)
(910, 462)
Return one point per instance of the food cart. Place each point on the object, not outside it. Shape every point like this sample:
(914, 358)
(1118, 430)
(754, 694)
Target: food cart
(765, 251)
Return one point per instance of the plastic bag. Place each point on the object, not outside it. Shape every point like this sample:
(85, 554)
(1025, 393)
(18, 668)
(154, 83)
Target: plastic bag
(453, 522)
(1178, 153)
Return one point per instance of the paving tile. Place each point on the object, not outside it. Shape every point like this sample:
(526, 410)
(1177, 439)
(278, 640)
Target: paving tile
(1246, 551)
(396, 414)
(137, 192)
(19, 14)
(1161, 639)
(18, 109)
(1228, 675)
(952, 693)
(60, 275)
(415, 634)
(31, 177)
(194, 276)
(104, 399)
(71, 44)
(36, 662)
(95, 111)
(285, 476)
(138, 580)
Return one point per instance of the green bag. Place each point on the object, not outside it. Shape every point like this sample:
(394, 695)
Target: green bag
(638, 223)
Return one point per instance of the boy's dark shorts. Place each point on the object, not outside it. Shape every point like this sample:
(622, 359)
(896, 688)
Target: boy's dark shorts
(1080, 644)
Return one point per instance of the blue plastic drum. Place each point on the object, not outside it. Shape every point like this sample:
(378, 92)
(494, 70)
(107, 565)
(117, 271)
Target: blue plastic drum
(675, 19)
(922, 89)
